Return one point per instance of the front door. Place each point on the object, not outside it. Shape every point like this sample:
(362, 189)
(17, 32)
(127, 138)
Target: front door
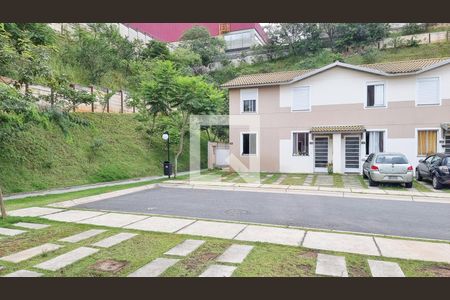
(320, 153)
(447, 143)
(352, 154)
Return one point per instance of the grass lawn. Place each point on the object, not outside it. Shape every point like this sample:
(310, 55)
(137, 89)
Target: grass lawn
(294, 179)
(264, 260)
(270, 179)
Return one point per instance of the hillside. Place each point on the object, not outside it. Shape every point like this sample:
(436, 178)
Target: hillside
(42, 158)
(326, 57)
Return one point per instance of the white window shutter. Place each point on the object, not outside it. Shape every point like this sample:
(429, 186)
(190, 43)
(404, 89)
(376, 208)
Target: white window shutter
(428, 91)
(300, 99)
(379, 95)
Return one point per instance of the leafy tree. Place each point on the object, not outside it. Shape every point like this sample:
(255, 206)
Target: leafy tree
(198, 40)
(300, 38)
(187, 61)
(412, 28)
(330, 30)
(155, 49)
(356, 36)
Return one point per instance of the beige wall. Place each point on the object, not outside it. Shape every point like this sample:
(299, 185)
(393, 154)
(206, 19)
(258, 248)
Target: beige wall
(337, 98)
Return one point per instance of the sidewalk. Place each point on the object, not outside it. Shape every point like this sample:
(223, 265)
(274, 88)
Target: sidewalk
(85, 187)
(372, 245)
(313, 190)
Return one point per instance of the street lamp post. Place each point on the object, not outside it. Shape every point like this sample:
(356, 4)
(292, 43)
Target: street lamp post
(167, 165)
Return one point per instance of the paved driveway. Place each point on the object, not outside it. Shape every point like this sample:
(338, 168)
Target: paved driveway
(411, 219)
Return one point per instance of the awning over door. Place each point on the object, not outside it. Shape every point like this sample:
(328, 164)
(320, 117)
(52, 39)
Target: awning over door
(338, 129)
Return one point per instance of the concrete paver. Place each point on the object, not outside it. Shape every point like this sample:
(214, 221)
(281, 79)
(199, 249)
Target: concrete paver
(33, 212)
(66, 259)
(283, 236)
(31, 225)
(380, 268)
(30, 253)
(218, 271)
(155, 268)
(331, 265)
(10, 232)
(24, 273)
(185, 248)
(73, 215)
(113, 220)
(213, 229)
(235, 254)
(114, 240)
(341, 242)
(82, 236)
(408, 249)
(161, 224)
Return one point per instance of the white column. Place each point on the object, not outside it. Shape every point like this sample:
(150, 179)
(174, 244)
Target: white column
(337, 153)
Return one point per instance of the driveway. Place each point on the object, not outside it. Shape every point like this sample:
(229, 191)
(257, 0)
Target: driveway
(401, 218)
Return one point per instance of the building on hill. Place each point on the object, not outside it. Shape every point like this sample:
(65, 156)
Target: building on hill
(335, 116)
(237, 36)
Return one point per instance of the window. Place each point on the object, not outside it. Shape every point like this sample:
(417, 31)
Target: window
(426, 142)
(447, 144)
(248, 144)
(370, 157)
(392, 159)
(447, 162)
(248, 100)
(300, 100)
(374, 141)
(300, 143)
(375, 95)
(428, 91)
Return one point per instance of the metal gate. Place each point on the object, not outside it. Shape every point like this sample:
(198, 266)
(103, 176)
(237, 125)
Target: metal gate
(320, 153)
(352, 154)
(222, 157)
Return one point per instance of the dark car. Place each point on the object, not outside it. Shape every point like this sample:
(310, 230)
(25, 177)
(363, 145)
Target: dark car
(436, 168)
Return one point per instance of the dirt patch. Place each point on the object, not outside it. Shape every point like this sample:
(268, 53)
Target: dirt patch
(194, 262)
(109, 265)
(439, 271)
(357, 272)
(308, 254)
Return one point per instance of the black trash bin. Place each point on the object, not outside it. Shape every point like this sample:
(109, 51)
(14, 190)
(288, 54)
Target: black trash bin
(167, 168)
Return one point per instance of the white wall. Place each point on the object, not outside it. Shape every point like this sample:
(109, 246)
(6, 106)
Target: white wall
(345, 86)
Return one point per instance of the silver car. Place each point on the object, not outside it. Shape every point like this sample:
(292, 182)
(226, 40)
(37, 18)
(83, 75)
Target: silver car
(388, 167)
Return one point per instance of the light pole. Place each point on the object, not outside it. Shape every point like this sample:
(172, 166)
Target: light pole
(167, 165)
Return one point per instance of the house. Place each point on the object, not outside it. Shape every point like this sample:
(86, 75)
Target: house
(309, 120)
(237, 36)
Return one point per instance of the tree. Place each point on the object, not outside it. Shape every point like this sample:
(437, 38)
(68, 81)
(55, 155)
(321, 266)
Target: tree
(155, 49)
(412, 28)
(330, 30)
(356, 36)
(300, 38)
(198, 40)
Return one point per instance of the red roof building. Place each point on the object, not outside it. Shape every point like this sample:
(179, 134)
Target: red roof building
(237, 36)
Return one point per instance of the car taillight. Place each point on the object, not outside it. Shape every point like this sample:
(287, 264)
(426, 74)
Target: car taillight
(410, 168)
(374, 168)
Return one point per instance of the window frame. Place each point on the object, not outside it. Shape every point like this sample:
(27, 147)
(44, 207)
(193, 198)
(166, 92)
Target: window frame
(242, 98)
(439, 92)
(309, 99)
(375, 83)
(307, 144)
(241, 152)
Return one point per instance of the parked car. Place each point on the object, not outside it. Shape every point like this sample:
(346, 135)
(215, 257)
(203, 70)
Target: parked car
(435, 168)
(388, 168)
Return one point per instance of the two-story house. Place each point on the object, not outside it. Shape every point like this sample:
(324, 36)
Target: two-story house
(335, 116)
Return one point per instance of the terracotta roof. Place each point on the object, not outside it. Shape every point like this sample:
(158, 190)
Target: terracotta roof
(337, 128)
(265, 78)
(389, 68)
(406, 66)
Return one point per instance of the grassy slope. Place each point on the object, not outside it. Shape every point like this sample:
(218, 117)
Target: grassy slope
(299, 62)
(43, 158)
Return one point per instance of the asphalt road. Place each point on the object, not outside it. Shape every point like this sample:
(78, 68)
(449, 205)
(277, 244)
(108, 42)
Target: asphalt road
(402, 218)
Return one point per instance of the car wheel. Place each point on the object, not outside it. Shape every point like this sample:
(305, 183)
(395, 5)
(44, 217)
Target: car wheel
(436, 184)
(372, 183)
(408, 185)
(364, 175)
(418, 176)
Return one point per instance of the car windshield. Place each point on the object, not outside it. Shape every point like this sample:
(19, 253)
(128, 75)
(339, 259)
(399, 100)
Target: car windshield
(391, 159)
(447, 162)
